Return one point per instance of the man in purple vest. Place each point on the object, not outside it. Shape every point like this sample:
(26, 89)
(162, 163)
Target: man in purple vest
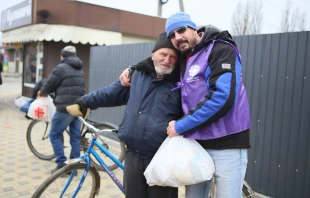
(214, 102)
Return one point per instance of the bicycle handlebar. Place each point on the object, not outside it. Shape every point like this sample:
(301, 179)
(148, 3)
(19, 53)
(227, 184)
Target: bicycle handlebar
(94, 129)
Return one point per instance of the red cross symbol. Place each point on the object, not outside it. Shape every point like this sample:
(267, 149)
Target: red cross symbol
(39, 112)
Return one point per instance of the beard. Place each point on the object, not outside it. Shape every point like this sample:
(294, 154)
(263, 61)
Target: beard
(190, 47)
(187, 50)
(161, 71)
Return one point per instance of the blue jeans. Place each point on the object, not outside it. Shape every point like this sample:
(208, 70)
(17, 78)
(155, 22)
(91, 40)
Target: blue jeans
(230, 168)
(60, 121)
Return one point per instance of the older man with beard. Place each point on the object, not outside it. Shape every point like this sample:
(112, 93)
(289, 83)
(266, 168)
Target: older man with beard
(150, 106)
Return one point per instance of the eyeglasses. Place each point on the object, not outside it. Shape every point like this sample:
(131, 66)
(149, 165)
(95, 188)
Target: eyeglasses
(181, 30)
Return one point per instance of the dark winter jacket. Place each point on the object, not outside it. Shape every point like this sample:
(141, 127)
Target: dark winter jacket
(150, 106)
(67, 81)
(37, 88)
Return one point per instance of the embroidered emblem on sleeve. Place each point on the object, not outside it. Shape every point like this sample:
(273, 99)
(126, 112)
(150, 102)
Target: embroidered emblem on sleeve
(226, 66)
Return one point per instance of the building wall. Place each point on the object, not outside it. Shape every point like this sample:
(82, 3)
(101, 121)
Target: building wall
(128, 39)
(14, 68)
(98, 17)
(15, 60)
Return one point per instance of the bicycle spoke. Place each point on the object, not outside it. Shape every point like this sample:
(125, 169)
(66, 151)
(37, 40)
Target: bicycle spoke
(54, 186)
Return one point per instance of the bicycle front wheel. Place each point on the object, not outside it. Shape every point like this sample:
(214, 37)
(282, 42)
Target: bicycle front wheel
(111, 142)
(38, 141)
(54, 185)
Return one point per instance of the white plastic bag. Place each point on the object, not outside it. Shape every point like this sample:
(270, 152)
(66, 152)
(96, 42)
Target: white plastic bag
(42, 109)
(179, 161)
(20, 101)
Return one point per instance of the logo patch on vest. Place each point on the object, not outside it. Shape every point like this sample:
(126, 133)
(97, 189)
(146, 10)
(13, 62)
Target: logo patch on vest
(226, 66)
(193, 70)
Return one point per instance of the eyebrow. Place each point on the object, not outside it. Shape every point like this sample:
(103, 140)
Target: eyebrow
(166, 54)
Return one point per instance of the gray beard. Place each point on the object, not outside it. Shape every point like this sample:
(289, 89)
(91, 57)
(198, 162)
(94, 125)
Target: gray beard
(161, 72)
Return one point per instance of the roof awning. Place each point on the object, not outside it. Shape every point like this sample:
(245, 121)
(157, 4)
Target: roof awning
(65, 33)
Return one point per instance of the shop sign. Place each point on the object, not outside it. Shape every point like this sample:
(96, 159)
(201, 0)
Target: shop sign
(16, 16)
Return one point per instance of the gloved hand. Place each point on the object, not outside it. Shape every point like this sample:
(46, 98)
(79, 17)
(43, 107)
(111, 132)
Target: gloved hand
(77, 109)
(74, 110)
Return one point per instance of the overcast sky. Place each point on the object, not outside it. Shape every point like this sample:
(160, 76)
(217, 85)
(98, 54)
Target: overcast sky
(203, 12)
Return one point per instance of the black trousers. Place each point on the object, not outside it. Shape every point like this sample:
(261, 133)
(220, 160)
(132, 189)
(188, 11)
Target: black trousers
(135, 183)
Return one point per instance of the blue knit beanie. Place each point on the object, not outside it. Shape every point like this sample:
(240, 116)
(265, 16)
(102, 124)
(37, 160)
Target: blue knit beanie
(177, 20)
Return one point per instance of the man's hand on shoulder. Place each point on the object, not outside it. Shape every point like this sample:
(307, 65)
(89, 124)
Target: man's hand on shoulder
(125, 78)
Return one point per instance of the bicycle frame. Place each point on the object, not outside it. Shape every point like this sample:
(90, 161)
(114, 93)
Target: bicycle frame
(86, 158)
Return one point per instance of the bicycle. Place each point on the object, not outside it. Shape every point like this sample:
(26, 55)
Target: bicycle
(65, 177)
(83, 165)
(39, 144)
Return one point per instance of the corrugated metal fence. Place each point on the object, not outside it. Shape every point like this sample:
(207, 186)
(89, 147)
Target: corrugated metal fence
(276, 73)
(106, 65)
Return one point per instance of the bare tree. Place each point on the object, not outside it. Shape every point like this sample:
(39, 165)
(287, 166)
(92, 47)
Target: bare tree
(247, 18)
(302, 22)
(290, 18)
(257, 17)
(240, 20)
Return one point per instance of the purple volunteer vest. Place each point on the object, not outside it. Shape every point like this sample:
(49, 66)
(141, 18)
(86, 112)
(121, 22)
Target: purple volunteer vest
(194, 89)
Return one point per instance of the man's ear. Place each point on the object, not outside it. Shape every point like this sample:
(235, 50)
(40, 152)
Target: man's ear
(152, 56)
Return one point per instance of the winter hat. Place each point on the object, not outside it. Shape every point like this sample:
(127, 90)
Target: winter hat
(177, 20)
(68, 51)
(162, 42)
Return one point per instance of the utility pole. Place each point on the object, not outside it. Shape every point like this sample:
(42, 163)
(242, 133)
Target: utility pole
(160, 4)
(159, 11)
(181, 5)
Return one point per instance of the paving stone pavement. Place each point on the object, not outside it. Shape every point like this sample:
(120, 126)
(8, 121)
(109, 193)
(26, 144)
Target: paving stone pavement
(20, 171)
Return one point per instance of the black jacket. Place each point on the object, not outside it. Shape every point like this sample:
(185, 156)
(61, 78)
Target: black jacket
(150, 106)
(67, 81)
(37, 88)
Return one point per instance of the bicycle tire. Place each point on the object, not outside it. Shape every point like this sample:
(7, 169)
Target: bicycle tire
(36, 145)
(49, 190)
(115, 146)
(247, 191)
